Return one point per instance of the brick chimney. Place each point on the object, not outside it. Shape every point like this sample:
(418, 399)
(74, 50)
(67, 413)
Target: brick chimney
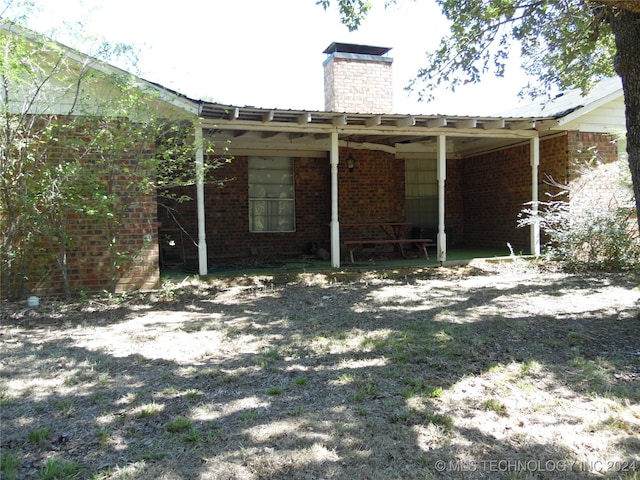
(357, 79)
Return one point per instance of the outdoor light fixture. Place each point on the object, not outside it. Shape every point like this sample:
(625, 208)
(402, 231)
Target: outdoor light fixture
(351, 162)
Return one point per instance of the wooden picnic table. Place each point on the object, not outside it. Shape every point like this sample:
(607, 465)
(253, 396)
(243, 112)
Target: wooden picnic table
(394, 232)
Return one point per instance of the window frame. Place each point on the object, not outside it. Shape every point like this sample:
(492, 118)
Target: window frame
(272, 203)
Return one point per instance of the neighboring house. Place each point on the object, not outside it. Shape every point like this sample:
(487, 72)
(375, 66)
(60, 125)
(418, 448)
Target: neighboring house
(296, 175)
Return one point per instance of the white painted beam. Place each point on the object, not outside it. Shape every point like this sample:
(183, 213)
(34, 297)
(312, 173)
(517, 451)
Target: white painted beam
(466, 123)
(524, 125)
(302, 138)
(378, 147)
(373, 121)
(339, 121)
(409, 121)
(202, 235)
(493, 124)
(268, 117)
(266, 135)
(535, 225)
(437, 122)
(442, 176)
(372, 129)
(234, 114)
(304, 118)
(335, 224)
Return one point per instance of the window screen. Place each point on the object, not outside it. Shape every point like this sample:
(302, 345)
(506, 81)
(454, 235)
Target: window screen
(421, 180)
(271, 194)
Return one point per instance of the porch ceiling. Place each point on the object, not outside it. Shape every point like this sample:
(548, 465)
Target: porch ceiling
(251, 129)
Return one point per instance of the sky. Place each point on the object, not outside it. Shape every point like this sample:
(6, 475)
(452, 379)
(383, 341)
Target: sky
(268, 53)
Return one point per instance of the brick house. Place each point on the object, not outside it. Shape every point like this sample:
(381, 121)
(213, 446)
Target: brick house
(460, 180)
(72, 94)
(296, 175)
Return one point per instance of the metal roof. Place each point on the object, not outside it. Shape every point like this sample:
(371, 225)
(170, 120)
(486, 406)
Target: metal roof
(569, 101)
(250, 129)
(285, 127)
(467, 135)
(228, 114)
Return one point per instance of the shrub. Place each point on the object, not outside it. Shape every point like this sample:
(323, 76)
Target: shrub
(590, 224)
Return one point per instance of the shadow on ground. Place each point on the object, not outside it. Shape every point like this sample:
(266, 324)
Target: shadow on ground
(463, 373)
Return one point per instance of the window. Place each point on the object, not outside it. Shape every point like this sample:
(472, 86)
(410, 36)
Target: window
(271, 194)
(421, 183)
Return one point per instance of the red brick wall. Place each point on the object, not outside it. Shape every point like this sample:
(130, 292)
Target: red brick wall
(374, 191)
(585, 146)
(88, 257)
(497, 185)
(227, 213)
(484, 196)
(89, 260)
(139, 236)
(358, 85)
(597, 185)
(454, 202)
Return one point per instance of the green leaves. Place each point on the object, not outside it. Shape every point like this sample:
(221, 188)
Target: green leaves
(565, 43)
(82, 152)
(352, 12)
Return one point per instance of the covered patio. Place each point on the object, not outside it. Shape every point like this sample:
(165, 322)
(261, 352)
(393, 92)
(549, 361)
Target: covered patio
(333, 139)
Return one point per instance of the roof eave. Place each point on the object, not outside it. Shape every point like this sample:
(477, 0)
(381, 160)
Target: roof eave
(165, 94)
(581, 110)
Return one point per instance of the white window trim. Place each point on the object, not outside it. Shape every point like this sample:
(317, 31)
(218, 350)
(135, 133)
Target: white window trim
(292, 200)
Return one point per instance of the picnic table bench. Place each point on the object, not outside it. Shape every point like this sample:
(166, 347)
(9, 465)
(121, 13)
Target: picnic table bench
(420, 243)
(393, 231)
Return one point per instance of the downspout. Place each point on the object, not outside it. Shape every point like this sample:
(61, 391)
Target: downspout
(535, 225)
(202, 236)
(442, 176)
(335, 225)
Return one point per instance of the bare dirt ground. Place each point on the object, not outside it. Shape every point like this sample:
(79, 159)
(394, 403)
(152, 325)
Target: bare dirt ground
(483, 371)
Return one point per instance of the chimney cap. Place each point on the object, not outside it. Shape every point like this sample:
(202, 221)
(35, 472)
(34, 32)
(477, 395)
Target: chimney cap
(358, 49)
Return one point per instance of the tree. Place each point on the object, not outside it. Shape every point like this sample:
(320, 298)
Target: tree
(82, 147)
(564, 43)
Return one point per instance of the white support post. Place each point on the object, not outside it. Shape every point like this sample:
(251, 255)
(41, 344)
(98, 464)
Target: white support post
(535, 225)
(442, 176)
(202, 236)
(335, 225)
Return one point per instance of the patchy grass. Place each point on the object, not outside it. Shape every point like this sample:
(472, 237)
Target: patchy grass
(9, 465)
(274, 390)
(435, 373)
(180, 424)
(55, 469)
(39, 436)
(495, 406)
(149, 410)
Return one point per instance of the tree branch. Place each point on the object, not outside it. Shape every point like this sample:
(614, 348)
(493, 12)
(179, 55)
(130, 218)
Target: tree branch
(631, 5)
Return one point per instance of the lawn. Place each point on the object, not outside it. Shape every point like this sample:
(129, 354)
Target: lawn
(491, 370)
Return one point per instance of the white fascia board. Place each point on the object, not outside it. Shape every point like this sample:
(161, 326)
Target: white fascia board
(589, 107)
(288, 127)
(368, 146)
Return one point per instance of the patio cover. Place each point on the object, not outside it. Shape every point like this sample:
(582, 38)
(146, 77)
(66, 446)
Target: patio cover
(252, 131)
